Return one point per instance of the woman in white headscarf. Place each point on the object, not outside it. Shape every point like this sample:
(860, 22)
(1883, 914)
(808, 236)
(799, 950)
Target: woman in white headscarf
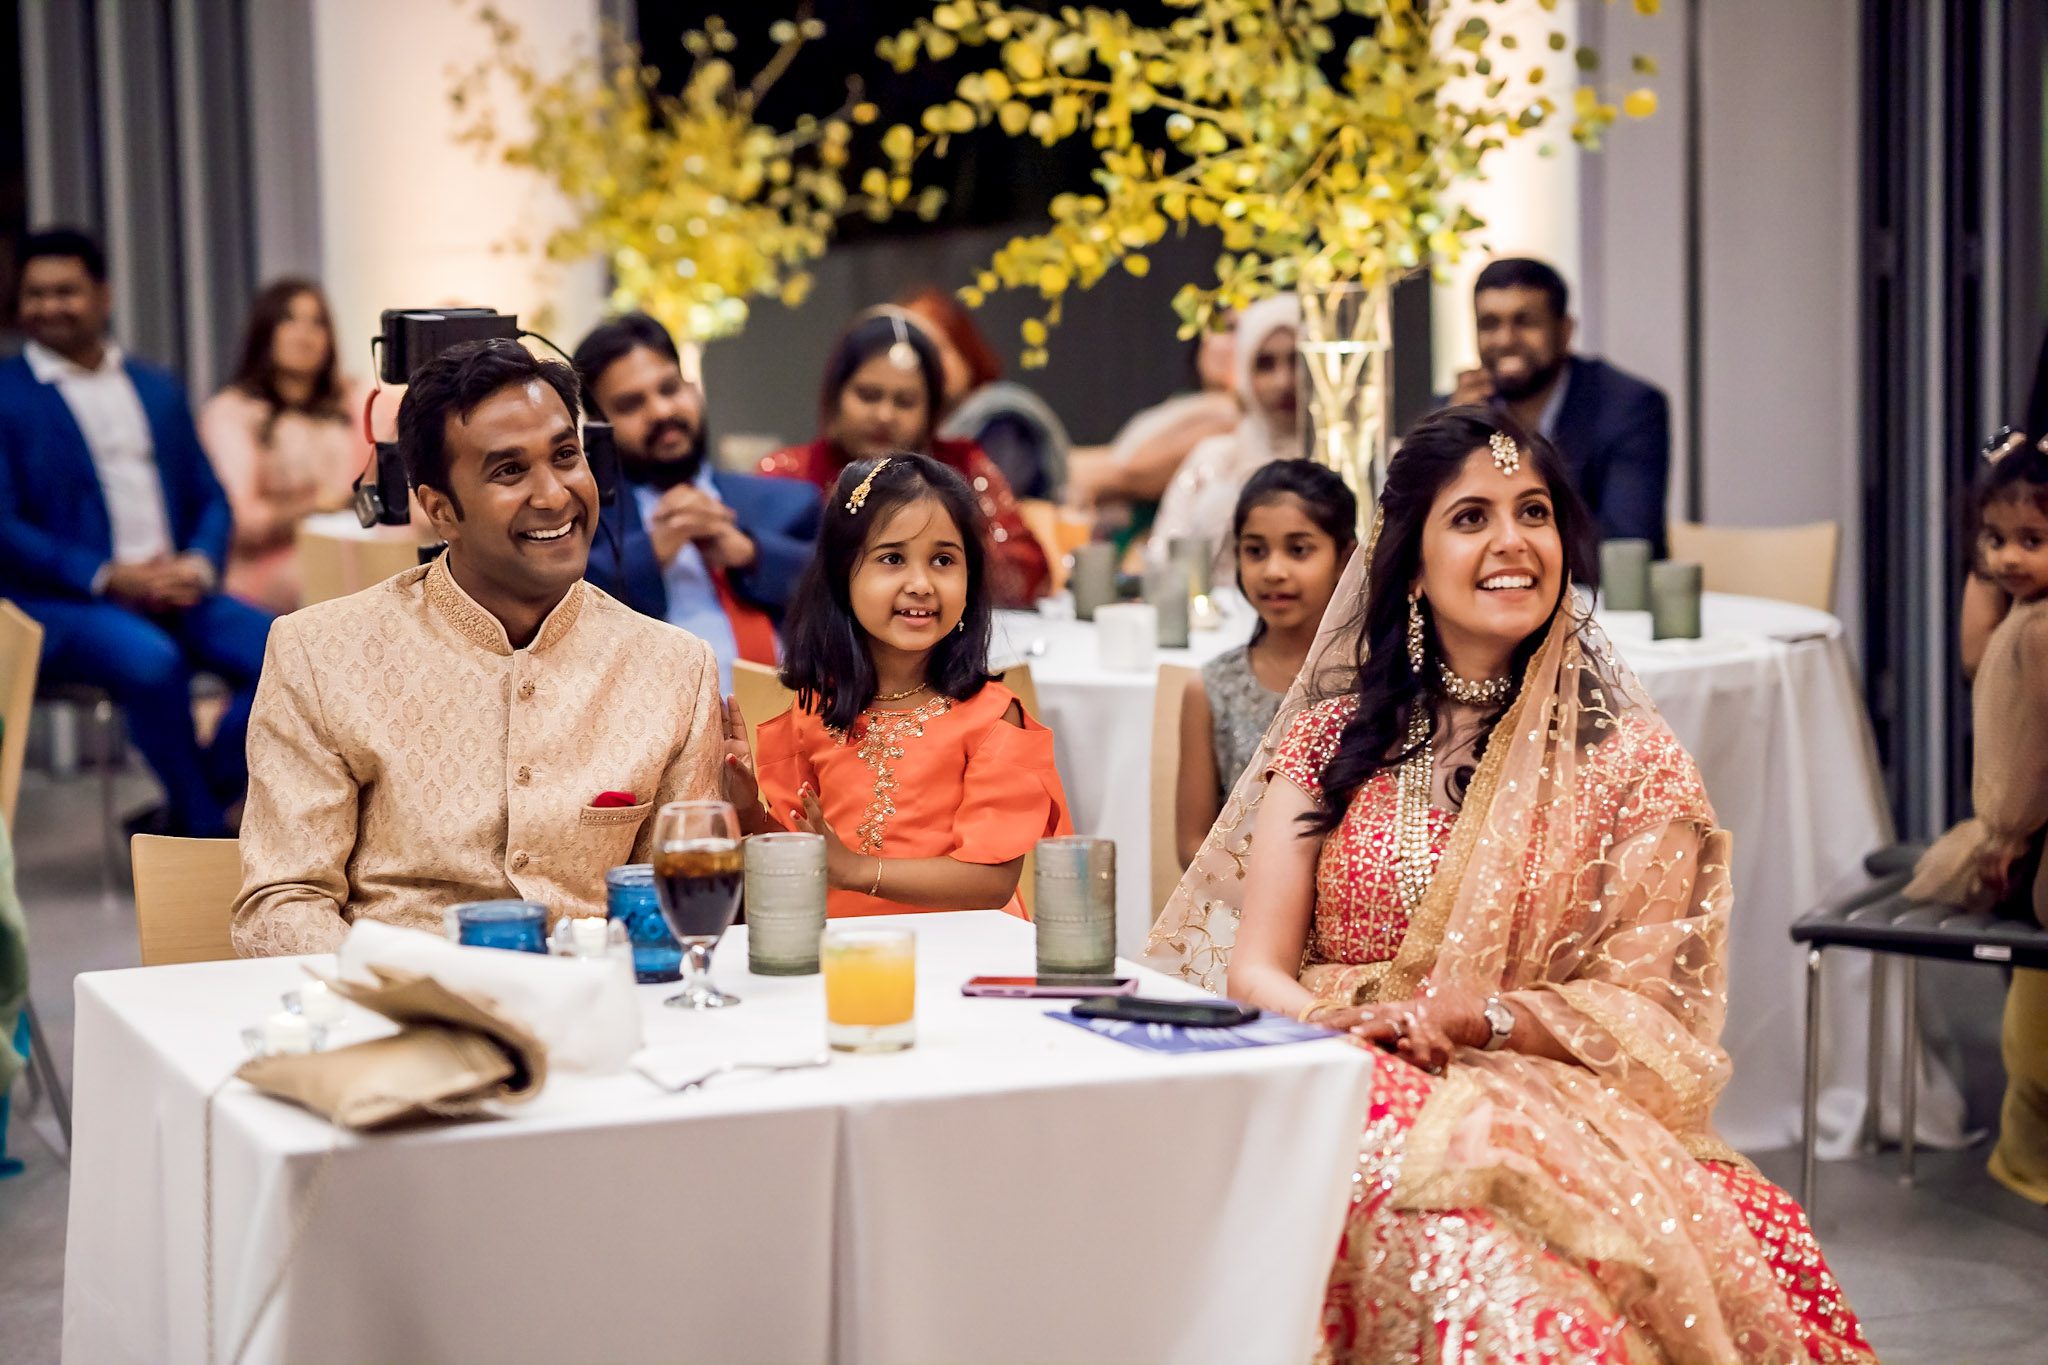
(1203, 496)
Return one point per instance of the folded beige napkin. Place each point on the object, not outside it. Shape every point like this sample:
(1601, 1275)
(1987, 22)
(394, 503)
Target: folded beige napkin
(454, 1052)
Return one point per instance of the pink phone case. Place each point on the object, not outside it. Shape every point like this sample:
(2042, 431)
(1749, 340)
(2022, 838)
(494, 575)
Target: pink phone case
(1040, 988)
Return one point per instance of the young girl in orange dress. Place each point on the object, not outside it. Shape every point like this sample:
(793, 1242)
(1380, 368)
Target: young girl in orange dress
(926, 777)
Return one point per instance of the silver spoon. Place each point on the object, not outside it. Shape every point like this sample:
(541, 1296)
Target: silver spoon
(693, 1082)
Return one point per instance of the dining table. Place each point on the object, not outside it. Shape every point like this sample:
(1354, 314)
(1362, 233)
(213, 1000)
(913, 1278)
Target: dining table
(1012, 1188)
(1768, 702)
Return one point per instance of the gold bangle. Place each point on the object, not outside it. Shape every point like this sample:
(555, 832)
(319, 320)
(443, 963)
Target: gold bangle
(876, 889)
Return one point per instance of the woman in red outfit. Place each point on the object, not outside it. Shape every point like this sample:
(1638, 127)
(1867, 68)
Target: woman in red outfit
(881, 396)
(1471, 843)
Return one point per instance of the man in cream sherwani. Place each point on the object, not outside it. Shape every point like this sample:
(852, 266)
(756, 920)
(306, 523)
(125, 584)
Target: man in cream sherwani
(446, 735)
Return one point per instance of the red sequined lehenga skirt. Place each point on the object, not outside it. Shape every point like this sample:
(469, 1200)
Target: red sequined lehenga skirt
(1467, 1288)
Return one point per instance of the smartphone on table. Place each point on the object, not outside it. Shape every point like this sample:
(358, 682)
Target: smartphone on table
(1049, 987)
(1185, 1013)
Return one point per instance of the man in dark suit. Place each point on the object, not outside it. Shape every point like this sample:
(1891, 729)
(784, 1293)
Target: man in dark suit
(1613, 429)
(113, 531)
(714, 552)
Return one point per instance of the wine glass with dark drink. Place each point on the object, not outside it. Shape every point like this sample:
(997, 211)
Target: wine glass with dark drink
(698, 872)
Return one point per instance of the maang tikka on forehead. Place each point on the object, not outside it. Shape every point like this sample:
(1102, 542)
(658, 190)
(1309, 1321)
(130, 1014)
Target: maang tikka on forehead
(1507, 456)
(901, 353)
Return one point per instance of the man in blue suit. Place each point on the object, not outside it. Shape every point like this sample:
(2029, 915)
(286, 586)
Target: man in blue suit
(1613, 429)
(714, 552)
(113, 531)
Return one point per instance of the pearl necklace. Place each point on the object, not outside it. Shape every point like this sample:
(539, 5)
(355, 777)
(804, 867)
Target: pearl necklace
(1483, 692)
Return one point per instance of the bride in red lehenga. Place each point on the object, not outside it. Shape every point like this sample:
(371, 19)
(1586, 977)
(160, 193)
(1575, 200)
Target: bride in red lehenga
(1483, 853)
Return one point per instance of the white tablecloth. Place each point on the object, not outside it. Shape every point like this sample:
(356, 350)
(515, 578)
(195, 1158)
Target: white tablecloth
(1768, 704)
(1011, 1189)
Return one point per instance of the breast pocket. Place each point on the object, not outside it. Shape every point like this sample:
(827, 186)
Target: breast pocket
(608, 833)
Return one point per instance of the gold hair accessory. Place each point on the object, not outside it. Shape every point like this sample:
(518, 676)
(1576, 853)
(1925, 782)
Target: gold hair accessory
(859, 497)
(2003, 444)
(1507, 456)
(901, 353)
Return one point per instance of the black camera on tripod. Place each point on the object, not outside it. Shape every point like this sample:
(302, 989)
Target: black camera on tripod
(409, 339)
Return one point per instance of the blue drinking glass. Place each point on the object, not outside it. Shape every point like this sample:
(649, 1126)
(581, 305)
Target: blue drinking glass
(521, 926)
(630, 899)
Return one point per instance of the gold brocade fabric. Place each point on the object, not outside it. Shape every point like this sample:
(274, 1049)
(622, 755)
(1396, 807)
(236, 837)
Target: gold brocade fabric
(1584, 881)
(403, 757)
(2009, 767)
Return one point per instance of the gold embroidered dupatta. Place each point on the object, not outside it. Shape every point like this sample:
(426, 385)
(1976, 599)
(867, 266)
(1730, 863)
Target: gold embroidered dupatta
(1585, 882)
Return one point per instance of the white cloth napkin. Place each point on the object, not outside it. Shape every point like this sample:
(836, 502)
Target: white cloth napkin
(583, 1010)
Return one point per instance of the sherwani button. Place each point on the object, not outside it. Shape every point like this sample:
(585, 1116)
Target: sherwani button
(519, 860)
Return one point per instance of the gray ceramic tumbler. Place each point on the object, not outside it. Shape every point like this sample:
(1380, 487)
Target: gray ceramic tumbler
(1166, 588)
(1674, 600)
(1094, 578)
(1625, 575)
(1076, 911)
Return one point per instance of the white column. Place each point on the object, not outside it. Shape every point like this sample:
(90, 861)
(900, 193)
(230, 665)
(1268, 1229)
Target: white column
(1529, 192)
(409, 218)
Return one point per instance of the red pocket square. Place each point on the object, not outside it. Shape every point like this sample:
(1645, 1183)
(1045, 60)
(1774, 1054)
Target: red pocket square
(614, 799)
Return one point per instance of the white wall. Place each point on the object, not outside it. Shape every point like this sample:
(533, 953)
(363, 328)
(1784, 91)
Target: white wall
(407, 217)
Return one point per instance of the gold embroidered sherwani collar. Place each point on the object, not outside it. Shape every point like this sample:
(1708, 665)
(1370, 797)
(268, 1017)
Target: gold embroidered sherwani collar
(486, 631)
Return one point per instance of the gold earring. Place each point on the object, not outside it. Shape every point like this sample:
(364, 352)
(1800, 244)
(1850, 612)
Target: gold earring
(1415, 649)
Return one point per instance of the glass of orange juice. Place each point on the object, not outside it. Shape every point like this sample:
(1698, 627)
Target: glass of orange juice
(870, 988)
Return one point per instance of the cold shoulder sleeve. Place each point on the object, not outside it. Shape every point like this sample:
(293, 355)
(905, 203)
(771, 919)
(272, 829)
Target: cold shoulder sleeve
(781, 764)
(1310, 742)
(1011, 795)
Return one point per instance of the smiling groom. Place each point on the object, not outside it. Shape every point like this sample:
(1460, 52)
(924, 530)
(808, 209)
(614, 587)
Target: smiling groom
(488, 726)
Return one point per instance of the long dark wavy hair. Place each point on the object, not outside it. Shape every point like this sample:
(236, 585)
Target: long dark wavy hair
(256, 371)
(825, 658)
(1387, 687)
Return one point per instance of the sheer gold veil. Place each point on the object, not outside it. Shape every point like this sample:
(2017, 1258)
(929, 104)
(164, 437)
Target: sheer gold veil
(1586, 882)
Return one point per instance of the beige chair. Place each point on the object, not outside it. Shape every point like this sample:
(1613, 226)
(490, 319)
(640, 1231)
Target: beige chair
(21, 654)
(1788, 563)
(333, 566)
(1166, 704)
(184, 892)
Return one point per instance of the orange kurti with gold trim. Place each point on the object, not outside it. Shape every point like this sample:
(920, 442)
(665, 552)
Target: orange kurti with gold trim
(949, 779)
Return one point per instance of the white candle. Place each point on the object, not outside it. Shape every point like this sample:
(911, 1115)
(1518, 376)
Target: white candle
(285, 1032)
(590, 935)
(318, 1005)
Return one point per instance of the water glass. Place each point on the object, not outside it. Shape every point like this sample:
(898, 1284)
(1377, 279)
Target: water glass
(1625, 575)
(1093, 581)
(521, 926)
(697, 871)
(1674, 600)
(785, 903)
(630, 899)
(870, 987)
(1075, 913)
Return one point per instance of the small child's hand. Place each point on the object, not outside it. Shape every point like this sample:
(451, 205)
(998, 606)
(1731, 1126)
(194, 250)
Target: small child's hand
(740, 787)
(842, 865)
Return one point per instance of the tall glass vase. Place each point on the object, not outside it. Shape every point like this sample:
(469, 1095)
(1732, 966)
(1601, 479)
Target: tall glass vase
(1344, 344)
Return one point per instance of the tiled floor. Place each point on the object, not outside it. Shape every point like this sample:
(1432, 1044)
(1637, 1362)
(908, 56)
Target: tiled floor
(1951, 1272)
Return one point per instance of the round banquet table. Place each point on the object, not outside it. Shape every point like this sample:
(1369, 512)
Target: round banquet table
(1768, 704)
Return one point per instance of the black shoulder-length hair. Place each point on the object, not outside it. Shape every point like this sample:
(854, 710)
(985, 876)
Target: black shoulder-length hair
(1388, 688)
(1331, 507)
(825, 657)
(871, 335)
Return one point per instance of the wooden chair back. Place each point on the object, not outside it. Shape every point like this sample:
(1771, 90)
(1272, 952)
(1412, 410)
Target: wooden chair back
(333, 566)
(1787, 563)
(1166, 706)
(184, 892)
(1018, 680)
(21, 655)
(761, 696)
